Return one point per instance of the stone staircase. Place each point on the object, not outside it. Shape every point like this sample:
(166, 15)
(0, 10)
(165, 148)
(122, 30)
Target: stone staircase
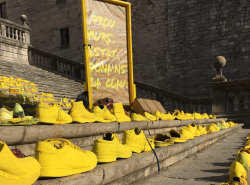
(120, 172)
(46, 81)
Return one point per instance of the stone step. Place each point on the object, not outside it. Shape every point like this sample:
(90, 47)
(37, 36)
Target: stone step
(34, 70)
(139, 166)
(83, 135)
(38, 79)
(19, 66)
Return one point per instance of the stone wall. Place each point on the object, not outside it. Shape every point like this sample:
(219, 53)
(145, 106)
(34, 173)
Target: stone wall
(175, 41)
(46, 18)
(13, 51)
(149, 30)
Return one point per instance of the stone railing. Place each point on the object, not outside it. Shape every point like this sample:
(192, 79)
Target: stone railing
(13, 31)
(172, 101)
(230, 99)
(15, 40)
(56, 64)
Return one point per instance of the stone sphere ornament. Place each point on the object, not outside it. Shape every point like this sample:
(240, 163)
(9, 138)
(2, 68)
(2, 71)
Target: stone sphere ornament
(219, 62)
(23, 19)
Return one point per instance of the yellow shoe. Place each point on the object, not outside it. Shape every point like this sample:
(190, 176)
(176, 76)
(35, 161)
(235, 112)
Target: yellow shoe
(184, 131)
(52, 114)
(120, 114)
(18, 111)
(149, 116)
(109, 147)
(59, 157)
(66, 105)
(213, 128)
(12, 84)
(167, 116)
(6, 79)
(243, 160)
(193, 128)
(237, 170)
(189, 116)
(5, 114)
(224, 124)
(216, 127)
(236, 181)
(80, 114)
(202, 130)
(178, 115)
(212, 116)
(205, 116)
(136, 139)
(49, 95)
(17, 171)
(162, 116)
(178, 138)
(246, 152)
(4, 86)
(19, 85)
(103, 114)
(65, 100)
(32, 84)
(137, 117)
(36, 98)
(197, 116)
(231, 124)
(184, 115)
(34, 89)
(59, 104)
(162, 140)
(157, 115)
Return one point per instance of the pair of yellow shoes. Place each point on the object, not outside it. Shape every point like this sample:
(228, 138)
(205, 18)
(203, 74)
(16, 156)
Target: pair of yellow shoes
(53, 158)
(53, 114)
(161, 116)
(163, 140)
(104, 115)
(109, 147)
(212, 128)
(149, 117)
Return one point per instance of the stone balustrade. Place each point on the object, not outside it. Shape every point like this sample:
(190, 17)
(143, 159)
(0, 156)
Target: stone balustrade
(172, 101)
(56, 64)
(231, 97)
(15, 40)
(13, 31)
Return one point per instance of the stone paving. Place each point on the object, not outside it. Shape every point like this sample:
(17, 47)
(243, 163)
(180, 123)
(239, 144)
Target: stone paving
(207, 167)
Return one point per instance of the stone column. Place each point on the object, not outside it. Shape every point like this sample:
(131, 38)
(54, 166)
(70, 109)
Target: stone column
(218, 95)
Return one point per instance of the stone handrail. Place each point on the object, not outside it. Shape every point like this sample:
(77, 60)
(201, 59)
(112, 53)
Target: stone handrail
(13, 31)
(57, 64)
(75, 70)
(172, 101)
(231, 97)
